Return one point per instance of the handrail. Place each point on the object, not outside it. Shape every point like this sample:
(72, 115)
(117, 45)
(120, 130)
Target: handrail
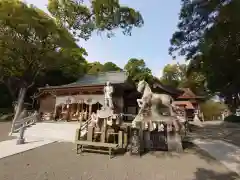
(27, 121)
(85, 124)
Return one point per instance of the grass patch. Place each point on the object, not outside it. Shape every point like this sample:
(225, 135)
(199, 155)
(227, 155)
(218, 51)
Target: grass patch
(232, 118)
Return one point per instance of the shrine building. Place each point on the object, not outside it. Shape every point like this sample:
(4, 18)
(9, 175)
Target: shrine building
(67, 102)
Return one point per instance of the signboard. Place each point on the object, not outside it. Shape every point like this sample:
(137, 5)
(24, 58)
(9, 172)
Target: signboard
(135, 142)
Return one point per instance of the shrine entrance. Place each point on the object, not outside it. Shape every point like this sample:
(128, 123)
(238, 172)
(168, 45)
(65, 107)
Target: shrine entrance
(74, 108)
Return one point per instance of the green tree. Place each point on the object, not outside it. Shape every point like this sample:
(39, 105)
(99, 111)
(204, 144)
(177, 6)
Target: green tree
(72, 60)
(212, 109)
(69, 68)
(209, 36)
(32, 43)
(176, 75)
(82, 18)
(137, 70)
(27, 48)
(195, 19)
(94, 68)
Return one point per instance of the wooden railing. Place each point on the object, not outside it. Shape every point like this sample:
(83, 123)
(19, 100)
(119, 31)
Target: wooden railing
(84, 125)
(128, 115)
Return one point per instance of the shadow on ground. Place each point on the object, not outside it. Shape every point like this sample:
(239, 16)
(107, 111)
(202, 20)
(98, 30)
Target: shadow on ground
(225, 131)
(204, 174)
(201, 173)
(188, 148)
(59, 161)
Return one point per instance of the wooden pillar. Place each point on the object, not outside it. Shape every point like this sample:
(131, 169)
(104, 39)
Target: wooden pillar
(55, 111)
(120, 139)
(78, 107)
(70, 112)
(90, 110)
(90, 133)
(104, 129)
(62, 107)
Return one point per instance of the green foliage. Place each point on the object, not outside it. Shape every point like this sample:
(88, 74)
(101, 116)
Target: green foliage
(94, 68)
(83, 18)
(36, 48)
(232, 118)
(97, 67)
(31, 46)
(31, 43)
(137, 70)
(195, 18)
(27, 47)
(109, 66)
(212, 109)
(176, 75)
(72, 62)
(209, 35)
(173, 74)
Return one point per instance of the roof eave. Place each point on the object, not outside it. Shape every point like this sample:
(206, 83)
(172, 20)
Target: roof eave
(73, 86)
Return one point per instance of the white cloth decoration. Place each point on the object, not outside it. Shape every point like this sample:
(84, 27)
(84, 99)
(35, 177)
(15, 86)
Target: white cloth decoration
(87, 99)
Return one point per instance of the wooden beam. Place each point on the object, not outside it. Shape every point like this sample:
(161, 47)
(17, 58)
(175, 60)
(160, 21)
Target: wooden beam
(77, 90)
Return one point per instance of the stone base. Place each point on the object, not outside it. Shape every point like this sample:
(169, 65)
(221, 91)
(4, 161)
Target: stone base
(20, 141)
(174, 142)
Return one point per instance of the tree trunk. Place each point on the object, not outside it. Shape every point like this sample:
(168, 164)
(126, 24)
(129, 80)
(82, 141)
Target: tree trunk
(19, 106)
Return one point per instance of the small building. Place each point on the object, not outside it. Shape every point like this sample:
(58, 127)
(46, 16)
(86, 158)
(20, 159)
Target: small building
(189, 101)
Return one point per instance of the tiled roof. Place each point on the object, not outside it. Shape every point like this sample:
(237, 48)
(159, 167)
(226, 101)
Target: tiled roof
(188, 94)
(114, 77)
(169, 89)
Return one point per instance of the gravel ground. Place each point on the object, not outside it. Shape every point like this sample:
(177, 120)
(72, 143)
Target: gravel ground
(59, 161)
(4, 130)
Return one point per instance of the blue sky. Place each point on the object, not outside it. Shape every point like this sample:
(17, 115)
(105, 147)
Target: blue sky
(150, 42)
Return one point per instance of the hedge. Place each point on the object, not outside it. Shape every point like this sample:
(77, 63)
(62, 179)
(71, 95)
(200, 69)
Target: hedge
(232, 118)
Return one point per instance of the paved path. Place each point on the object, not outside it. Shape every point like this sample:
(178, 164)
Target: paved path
(9, 147)
(221, 140)
(4, 131)
(60, 131)
(218, 130)
(226, 153)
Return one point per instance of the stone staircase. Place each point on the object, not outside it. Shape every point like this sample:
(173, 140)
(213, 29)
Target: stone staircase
(57, 131)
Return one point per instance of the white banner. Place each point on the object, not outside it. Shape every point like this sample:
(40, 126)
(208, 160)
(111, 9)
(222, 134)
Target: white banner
(87, 99)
